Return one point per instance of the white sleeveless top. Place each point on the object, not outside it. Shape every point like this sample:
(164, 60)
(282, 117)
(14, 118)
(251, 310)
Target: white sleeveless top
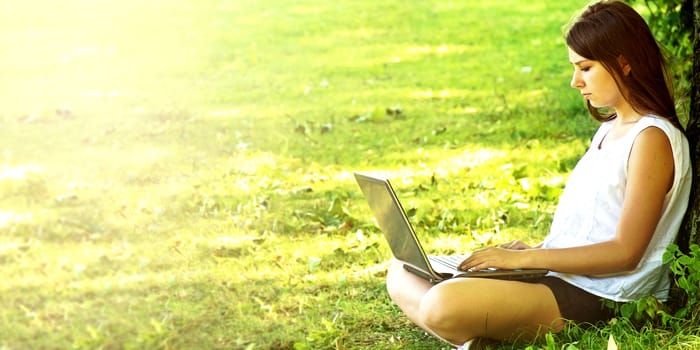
(590, 207)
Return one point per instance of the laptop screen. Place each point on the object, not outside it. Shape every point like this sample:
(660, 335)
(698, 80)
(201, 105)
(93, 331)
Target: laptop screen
(392, 220)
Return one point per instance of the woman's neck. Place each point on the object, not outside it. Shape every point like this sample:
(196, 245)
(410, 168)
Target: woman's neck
(626, 114)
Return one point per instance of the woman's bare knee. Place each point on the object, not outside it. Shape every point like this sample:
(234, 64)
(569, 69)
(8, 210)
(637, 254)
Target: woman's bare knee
(444, 313)
(464, 309)
(394, 280)
(406, 290)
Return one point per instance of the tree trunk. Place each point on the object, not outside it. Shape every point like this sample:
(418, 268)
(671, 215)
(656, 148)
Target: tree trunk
(691, 223)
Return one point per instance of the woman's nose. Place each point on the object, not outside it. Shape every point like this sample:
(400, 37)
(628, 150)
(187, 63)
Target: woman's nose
(576, 81)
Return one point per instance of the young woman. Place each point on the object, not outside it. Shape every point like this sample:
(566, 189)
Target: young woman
(621, 208)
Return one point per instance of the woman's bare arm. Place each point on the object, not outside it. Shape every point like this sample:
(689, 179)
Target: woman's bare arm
(650, 176)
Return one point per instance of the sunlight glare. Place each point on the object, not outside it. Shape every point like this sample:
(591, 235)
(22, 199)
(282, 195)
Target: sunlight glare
(9, 217)
(20, 172)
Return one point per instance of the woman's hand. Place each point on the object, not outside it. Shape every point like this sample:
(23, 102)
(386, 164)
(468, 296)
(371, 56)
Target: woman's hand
(504, 256)
(515, 245)
(490, 258)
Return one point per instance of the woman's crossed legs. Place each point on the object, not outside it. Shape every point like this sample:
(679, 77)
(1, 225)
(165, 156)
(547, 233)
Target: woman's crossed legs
(461, 309)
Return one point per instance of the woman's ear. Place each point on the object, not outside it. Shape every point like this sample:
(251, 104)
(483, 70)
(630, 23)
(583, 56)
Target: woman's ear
(626, 68)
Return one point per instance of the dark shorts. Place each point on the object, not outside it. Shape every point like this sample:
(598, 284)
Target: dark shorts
(575, 304)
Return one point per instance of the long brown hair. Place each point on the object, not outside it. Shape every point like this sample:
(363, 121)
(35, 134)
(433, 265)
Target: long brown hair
(608, 31)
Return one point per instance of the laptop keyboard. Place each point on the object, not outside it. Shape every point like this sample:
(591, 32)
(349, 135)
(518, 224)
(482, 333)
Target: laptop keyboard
(452, 261)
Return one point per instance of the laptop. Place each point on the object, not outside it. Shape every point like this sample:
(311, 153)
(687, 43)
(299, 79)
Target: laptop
(405, 245)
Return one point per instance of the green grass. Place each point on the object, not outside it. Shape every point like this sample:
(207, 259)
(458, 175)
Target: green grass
(177, 174)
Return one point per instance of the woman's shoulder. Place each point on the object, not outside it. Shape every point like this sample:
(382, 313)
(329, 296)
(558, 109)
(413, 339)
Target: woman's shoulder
(674, 135)
(660, 122)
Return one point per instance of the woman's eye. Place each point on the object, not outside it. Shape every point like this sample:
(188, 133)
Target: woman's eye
(585, 69)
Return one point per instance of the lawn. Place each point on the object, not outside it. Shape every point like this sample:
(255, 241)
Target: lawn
(178, 174)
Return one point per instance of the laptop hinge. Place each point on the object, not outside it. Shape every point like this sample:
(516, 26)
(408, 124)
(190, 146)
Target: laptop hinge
(422, 274)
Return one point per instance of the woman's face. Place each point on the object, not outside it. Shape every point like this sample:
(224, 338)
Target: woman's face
(596, 84)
